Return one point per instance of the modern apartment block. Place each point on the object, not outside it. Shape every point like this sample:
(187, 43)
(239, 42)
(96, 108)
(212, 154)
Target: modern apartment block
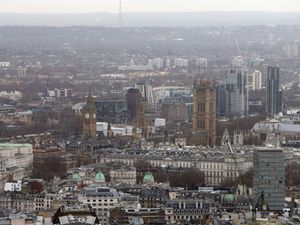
(268, 165)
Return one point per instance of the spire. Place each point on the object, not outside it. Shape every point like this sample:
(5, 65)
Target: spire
(109, 130)
(120, 13)
(90, 93)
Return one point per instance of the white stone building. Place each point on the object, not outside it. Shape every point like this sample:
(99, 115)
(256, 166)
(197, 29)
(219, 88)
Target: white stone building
(102, 199)
(15, 161)
(216, 167)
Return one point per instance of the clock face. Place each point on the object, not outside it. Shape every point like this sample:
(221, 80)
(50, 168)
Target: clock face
(94, 115)
(87, 115)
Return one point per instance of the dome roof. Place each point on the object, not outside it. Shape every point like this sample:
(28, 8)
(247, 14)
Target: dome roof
(229, 198)
(100, 177)
(76, 176)
(148, 178)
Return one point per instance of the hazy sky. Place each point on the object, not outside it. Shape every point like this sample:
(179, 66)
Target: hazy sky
(86, 6)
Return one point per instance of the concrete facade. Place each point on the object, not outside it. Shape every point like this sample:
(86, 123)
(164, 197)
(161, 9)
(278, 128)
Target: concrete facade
(269, 175)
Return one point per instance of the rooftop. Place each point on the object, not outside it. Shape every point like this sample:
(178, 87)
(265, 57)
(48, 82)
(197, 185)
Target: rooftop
(99, 192)
(14, 145)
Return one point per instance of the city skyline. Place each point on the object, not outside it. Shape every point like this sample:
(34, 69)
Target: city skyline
(112, 6)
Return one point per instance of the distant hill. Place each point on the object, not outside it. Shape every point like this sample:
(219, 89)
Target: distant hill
(152, 19)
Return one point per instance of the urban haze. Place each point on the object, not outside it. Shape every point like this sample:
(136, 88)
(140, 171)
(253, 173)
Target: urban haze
(149, 112)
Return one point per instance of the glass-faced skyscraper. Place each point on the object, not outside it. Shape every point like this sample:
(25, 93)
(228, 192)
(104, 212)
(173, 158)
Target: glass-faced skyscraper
(220, 101)
(236, 93)
(146, 90)
(273, 93)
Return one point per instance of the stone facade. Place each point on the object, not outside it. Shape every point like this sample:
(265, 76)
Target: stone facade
(89, 118)
(204, 113)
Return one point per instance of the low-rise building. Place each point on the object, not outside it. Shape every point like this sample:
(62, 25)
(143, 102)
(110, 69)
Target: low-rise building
(102, 199)
(127, 176)
(217, 164)
(16, 161)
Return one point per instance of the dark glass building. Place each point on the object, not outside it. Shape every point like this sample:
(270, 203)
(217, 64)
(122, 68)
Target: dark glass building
(112, 111)
(220, 101)
(134, 103)
(273, 94)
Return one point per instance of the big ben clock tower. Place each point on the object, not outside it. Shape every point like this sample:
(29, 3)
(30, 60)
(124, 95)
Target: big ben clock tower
(89, 117)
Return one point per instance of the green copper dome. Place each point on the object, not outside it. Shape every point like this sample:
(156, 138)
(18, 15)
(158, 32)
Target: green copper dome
(100, 177)
(76, 176)
(148, 178)
(229, 198)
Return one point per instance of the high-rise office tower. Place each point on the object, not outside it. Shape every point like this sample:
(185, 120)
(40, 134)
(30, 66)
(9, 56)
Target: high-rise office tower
(256, 80)
(22, 71)
(134, 104)
(269, 175)
(201, 65)
(204, 113)
(220, 101)
(292, 49)
(89, 117)
(146, 90)
(168, 63)
(158, 63)
(273, 93)
(236, 93)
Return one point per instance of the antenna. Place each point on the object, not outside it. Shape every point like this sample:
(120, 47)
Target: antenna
(238, 47)
(120, 12)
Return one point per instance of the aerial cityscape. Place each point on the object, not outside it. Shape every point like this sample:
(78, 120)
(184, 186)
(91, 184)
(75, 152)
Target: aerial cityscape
(118, 119)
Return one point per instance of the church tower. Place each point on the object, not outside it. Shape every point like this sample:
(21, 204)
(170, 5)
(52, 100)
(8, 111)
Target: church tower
(89, 117)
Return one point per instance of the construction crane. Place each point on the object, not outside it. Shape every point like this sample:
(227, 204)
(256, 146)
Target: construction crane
(120, 13)
(238, 47)
(234, 160)
(46, 92)
(259, 205)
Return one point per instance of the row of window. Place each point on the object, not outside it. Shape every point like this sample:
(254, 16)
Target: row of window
(123, 175)
(101, 200)
(188, 164)
(184, 217)
(201, 107)
(202, 125)
(211, 166)
(101, 205)
(214, 173)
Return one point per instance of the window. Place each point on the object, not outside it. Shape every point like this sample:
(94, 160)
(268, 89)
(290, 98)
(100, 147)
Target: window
(201, 124)
(202, 107)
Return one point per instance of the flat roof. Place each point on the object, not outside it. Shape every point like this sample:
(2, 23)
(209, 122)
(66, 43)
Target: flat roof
(14, 145)
(267, 148)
